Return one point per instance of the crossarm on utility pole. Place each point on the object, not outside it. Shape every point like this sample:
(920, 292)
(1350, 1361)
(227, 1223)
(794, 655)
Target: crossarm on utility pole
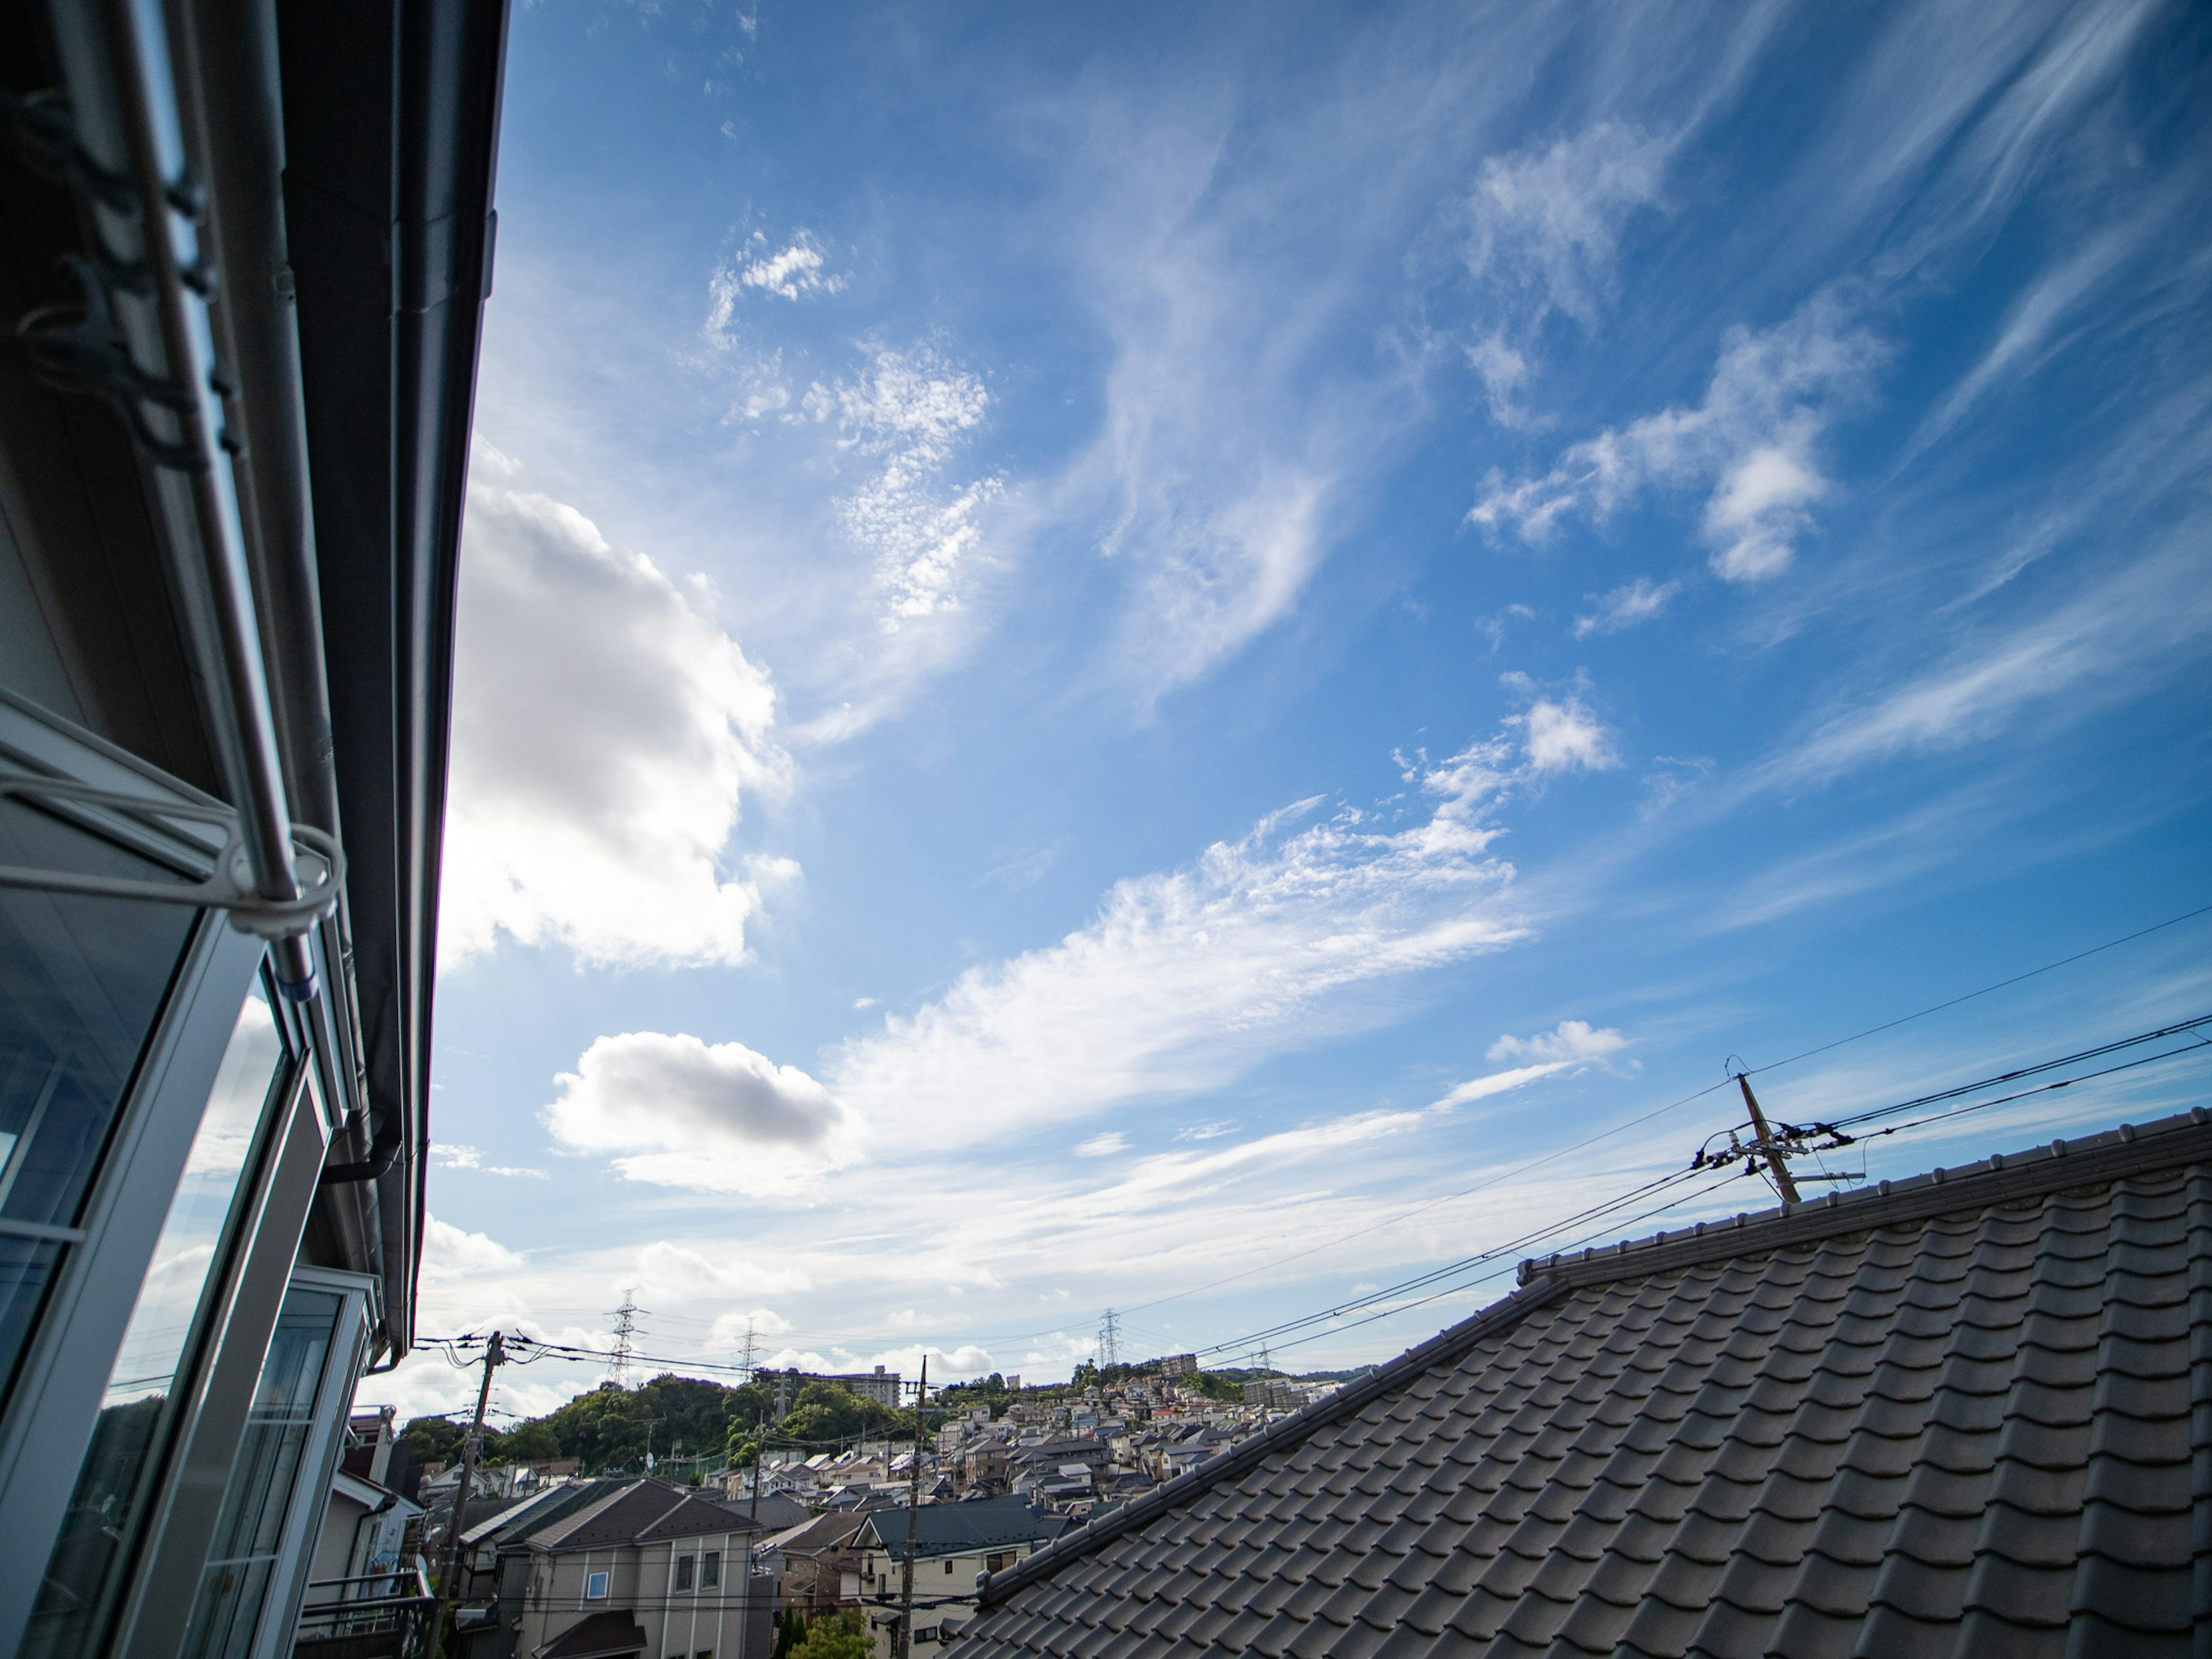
(1783, 1183)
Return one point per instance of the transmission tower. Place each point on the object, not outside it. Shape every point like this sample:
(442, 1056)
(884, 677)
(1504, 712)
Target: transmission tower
(625, 1318)
(1110, 1340)
(752, 1353)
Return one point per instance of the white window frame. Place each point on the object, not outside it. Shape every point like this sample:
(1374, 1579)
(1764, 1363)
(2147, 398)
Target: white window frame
(604, 1579)
(54, 1405)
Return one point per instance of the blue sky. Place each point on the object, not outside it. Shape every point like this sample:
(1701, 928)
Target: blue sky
(1100, 648)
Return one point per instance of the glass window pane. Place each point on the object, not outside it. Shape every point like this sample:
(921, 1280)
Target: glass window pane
(104, 1510)
(81, 980)
(263, 1479)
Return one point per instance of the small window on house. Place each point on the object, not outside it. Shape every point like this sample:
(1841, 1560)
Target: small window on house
(948, 1567)
(595, 1587)
(710, 1575)
(685, 1565)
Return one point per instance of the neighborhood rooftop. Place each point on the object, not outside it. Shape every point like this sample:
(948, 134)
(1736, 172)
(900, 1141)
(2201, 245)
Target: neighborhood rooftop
(1941, 1415)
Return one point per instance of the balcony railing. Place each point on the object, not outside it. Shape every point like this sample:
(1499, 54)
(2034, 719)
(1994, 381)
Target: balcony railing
(384, 1615)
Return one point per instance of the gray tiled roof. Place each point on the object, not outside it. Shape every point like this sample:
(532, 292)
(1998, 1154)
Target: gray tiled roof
(1952, 1417)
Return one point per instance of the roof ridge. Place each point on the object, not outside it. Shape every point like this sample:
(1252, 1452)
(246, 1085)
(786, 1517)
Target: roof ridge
(1499, 1316)
(2130, 1149)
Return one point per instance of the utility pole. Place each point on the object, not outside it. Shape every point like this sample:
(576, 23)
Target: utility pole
(1783, 1183)
(760, 1458)
(449, 1580)
(903, 1648)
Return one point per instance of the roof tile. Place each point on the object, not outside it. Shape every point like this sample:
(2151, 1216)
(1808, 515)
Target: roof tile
(1951, 1418)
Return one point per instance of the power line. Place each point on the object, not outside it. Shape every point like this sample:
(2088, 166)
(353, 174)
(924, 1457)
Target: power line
(1373, 1299)
(1633, 1123)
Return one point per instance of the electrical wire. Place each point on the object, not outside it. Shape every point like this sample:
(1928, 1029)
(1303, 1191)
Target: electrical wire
(1619, 1128)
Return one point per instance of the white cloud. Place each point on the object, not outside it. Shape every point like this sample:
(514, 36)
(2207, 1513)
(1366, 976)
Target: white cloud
(1753, 443)
(729, 1330)
(1101, 1145)
(605, 728)
(1557, 734)
(1548, 220)
(681, 1112)
(450, 1156)
(1570, 1041)
(680, 1272)
(1546, 1053)
(910, 412)
(2076, 656)
(966, 1361)
(864, 1002)
(1544, 235)
(451, 1252)
(796, 270)
(1640, 601)
(1185, 978)
(1207, 1131)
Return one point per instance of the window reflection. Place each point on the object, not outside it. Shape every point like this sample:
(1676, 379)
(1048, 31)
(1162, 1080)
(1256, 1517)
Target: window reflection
(104, 1510)
(81, 980)
(250, 1533)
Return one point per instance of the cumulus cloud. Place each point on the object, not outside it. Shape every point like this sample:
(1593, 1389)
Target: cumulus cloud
(731, 1330)
(966, 1361)
(451, 1252)
(1557, 734)
(1752, 444)
(1544, 228)
(605, 729)
(1184, 978)
(679, 1112)
(1640, 601)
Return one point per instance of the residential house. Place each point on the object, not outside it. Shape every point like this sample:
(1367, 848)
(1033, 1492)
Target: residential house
(247, 249)
(1956, 1414)
(954, 1545)
(496, 1564)
(364, 1525)
(816, 1563)
(649, 1570)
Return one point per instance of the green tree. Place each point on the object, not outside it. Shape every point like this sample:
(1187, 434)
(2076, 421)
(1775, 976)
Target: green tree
(790, 1632)
(534, 1442)
(827, 1411)
(836, 1636)
(433, 1440)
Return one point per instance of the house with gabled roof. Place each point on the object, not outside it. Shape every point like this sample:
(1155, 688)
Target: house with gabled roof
(1957, 1415)
(954, 1547)
(646, 1570)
